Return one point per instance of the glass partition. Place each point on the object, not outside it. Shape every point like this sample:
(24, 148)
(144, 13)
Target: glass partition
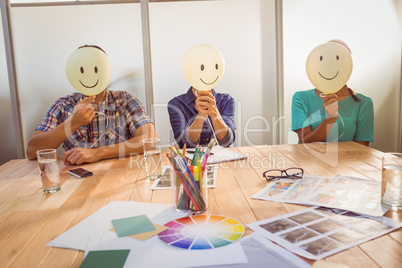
(244, 31)
(7, 140)
(45, 36)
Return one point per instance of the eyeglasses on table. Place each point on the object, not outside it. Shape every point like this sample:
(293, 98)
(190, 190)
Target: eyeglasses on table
(289, 173)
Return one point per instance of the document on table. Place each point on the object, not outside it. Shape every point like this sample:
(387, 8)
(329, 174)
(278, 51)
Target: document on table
(348, 193)
(164, 181)
(319, 232)
(93, 233)
(94, 225)
(155, 253)
(219, 155)
(261, 252)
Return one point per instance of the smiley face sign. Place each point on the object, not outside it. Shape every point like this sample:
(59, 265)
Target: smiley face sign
(203, 66)
(89, 70)
(329, 67)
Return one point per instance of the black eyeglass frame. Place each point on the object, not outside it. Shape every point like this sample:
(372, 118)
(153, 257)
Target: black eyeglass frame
(283, 171)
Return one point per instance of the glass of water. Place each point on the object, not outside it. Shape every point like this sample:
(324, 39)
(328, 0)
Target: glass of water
(48, 170)
(391, 183)
(152, 157)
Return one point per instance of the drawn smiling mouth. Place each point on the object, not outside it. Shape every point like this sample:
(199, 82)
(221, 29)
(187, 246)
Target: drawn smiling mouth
(329, 78)
(91, 86)
(209, 83)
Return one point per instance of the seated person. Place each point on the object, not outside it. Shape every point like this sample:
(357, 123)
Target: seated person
(341, 116)
(189, 114)
(202, 114)
(106, 124)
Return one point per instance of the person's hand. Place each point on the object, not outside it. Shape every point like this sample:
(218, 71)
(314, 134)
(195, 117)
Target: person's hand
(83, 112)
(78, 156)
(330, 105)
(205, 104)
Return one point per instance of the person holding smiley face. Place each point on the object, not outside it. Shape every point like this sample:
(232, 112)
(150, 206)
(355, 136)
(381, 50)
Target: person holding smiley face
(332, 111)
(96, 123)
(202, 113)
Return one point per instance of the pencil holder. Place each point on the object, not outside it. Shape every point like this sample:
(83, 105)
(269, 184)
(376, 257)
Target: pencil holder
(189, 190)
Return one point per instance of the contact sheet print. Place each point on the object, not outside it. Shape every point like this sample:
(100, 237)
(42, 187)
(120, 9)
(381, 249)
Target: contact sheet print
(349, 193)
(292, 191)
(318, 232)
(164, 181)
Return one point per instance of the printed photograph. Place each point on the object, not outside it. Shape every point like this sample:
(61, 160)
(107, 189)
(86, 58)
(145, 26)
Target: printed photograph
(291, 195)
(321, 246)
(330, 211)
(305, 217)
(347, 236)
(278, 226)
(281, 185)
(302, 187)
(323, 198)
(325, 226)
(349, 218)
(373, 226)
(164, 181)
(298, 235)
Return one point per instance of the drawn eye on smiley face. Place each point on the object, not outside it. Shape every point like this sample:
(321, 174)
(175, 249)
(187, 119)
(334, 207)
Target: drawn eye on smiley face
(329, 67)
(203, 66)
(89, 70)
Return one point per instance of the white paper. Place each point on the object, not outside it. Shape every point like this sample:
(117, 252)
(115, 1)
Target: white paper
(101, 221)
(261, 252)
(349, 193)
(319, 232)
(154, 253)
(218, 155)
(292, 191)
(163, 182)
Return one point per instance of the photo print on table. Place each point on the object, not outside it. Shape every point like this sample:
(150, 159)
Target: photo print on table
(318, 232)
(298, 235)
(277, 226)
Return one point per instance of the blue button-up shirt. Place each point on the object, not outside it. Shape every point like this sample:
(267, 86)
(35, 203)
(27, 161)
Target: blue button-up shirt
(182, 114)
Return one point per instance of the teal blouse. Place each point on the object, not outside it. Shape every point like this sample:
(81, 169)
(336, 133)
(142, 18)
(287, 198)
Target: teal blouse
(358, 117)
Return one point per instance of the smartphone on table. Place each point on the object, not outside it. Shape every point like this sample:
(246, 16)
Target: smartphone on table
(80, 172)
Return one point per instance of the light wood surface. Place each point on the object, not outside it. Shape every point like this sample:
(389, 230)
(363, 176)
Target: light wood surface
(29, 219)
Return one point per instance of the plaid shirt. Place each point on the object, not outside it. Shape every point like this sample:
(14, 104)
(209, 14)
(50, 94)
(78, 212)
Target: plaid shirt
(124, 115)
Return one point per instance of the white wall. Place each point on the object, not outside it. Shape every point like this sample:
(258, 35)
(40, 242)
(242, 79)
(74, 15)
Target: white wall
(372, 31)
(44, 37)
(244, 31)
(7, 138)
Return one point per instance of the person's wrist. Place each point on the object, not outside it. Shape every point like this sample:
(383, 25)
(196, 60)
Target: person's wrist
(215, 116)
(201, 117)
(71, 125)
(331, 118)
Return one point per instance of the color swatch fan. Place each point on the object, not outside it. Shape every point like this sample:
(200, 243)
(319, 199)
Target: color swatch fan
(202, 232)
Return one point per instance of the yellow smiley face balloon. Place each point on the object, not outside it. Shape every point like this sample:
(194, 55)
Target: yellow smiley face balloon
(329, 67)
(89, 70)
(203, 66)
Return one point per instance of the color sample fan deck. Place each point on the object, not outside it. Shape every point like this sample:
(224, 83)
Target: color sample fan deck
(202, 232)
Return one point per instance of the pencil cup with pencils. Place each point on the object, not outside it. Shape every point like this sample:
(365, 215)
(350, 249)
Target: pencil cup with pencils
(189, 191)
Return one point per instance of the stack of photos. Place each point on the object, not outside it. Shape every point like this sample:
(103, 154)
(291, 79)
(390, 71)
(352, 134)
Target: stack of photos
(164, 181)
(349, 193)
(319, 232)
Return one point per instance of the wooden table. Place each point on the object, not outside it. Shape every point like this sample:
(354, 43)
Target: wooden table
(29, 219)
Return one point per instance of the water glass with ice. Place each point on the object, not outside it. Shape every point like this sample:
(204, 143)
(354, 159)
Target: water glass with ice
(48, 170)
